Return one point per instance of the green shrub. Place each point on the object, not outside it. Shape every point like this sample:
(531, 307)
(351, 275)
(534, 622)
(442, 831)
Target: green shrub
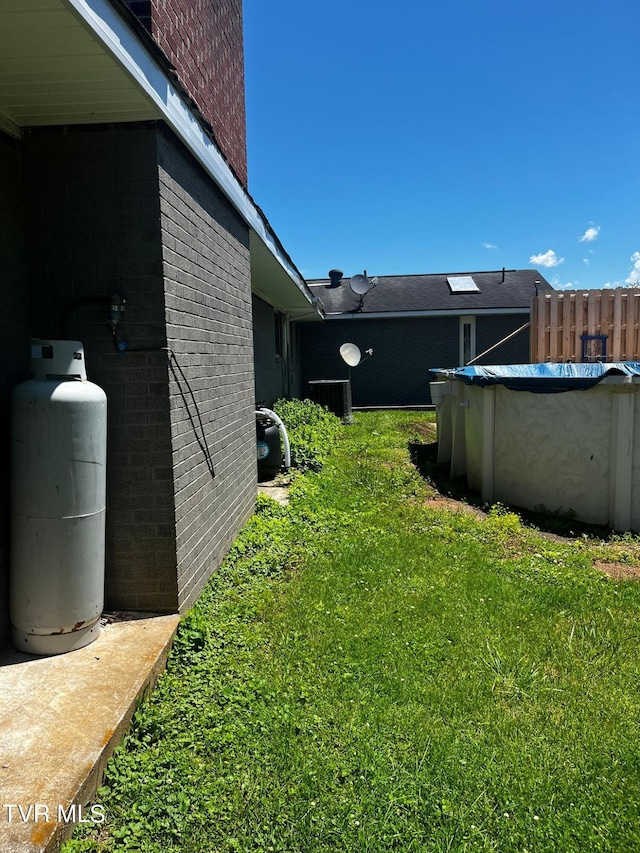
(312, 431)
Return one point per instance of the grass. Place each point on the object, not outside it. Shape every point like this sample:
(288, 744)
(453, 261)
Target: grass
(369, 672)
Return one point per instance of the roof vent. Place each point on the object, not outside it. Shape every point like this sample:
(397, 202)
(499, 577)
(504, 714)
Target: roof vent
(336, 278)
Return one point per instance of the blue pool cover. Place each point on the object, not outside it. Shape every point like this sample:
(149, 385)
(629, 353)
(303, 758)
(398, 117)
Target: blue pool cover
(540, 378)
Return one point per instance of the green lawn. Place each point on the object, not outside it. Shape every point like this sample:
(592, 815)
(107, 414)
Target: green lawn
(369, 672)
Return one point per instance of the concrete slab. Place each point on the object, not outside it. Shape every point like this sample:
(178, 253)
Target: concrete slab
(60, 719)
(278, 493)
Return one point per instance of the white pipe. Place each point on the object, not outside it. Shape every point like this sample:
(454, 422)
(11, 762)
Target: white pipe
(499, 344)
(283, 432)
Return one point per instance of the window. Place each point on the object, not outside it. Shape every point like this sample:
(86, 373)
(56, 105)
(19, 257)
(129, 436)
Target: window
(467, 339)
(462, 284)
(294, 338)
(278, 320)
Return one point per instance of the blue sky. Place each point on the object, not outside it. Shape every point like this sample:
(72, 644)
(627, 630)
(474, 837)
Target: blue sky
(418, 137)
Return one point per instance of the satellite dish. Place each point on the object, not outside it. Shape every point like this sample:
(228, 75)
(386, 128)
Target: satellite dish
(351, 354)
(360, 284)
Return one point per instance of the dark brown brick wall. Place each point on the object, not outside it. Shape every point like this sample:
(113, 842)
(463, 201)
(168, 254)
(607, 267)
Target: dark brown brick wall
(203, 39)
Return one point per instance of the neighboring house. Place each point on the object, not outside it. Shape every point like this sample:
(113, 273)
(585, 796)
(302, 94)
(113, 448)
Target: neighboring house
(415, 323)
(123, 171)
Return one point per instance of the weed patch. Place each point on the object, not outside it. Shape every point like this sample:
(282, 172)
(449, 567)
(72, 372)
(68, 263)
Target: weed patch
(312, 431)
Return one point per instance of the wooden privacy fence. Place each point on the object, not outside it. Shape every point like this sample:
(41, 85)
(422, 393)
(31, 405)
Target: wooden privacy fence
(602, 325)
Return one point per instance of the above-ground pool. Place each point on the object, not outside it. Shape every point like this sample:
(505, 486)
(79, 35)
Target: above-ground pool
(565, 437)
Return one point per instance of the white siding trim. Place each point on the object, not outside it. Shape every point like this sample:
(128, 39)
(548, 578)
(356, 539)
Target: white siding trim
(392, 315)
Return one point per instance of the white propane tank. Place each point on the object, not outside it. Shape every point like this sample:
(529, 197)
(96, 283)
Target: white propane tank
(58, 502)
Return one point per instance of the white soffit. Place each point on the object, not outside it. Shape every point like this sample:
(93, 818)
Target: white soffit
(79, 62)
(54, 71)
(270, 282)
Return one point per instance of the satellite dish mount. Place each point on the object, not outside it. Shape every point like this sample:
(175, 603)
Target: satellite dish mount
(352, 356)
(361, 284)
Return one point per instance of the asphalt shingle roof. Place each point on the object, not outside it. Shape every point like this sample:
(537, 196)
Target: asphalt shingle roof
(407, 293)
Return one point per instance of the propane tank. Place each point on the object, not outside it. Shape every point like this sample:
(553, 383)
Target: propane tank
(58, 502)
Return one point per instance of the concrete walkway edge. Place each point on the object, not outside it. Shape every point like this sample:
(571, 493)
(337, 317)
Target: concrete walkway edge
(60, 720)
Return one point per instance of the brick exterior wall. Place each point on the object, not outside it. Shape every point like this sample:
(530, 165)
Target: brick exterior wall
(397, 373)
(490, 330)
(93, 217)
(203, 39)
(125, 209)
(404, 351)
(209, 328)
(295, 363)
(14, 337)
(269, 367)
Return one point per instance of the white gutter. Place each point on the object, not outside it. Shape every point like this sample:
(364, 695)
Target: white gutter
(391, 315)
(126, 48)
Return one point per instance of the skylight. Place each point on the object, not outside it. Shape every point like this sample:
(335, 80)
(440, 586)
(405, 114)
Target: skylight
(462, 284)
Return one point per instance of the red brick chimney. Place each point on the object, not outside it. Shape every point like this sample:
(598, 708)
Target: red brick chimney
(203, 39)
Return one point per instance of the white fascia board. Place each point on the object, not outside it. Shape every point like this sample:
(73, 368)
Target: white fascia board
(127, 49)
(393, 315)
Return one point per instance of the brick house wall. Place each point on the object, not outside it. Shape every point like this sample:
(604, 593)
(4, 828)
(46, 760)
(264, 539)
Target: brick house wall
(491, 329)
(404, 351)
(126, 209)
(14, 336)
(88, 211)
(93, 228)
(277, 373)
(203, 39)
(207, 286)
(269, 365)
(294, 362)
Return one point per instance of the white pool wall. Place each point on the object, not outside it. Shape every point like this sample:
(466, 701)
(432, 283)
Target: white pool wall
(575, 452)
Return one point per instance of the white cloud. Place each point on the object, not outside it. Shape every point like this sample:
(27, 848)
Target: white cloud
(546, 259)
(634, 273)
(555, 283)
(585, 261)
(590, 234)
(489, 246)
